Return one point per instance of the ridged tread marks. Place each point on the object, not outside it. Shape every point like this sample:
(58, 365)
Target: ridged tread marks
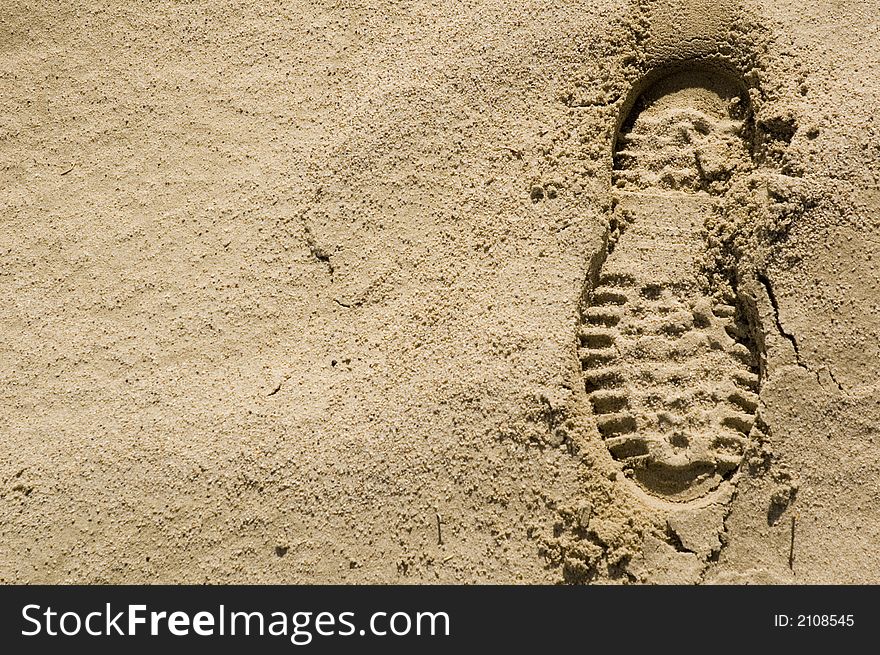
(670, 366)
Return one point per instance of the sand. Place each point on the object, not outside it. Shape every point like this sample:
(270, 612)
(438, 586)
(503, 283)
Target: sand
(461, 292)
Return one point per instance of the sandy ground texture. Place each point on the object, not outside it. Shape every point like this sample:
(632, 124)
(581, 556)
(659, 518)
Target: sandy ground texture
(454, 291)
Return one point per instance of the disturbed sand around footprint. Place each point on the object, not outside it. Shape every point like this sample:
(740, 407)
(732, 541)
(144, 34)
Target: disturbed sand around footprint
(592, 286)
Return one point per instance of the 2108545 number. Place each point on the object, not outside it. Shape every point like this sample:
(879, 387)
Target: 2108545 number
(825, 620)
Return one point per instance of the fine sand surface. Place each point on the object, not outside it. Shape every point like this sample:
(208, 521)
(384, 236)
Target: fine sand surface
(456, 291)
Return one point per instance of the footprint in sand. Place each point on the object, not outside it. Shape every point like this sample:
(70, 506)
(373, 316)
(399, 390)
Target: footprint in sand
(670, 361)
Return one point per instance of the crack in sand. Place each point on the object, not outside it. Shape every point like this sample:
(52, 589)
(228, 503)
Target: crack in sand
(768, 287)
(317, 251)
